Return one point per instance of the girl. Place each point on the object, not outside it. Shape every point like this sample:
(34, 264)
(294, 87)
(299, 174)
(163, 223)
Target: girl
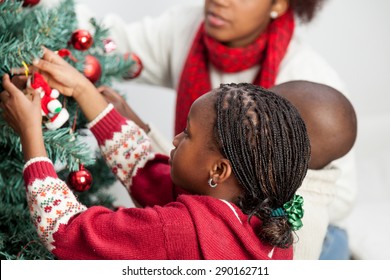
(194, 48)
(239, 162)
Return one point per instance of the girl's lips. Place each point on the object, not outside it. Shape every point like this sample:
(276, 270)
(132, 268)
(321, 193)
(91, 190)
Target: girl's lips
(215, 20)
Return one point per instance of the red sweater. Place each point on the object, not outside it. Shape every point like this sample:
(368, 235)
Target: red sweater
(171, 226)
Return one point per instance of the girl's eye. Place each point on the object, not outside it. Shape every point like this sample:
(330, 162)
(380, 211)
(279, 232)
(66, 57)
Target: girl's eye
(185, 131)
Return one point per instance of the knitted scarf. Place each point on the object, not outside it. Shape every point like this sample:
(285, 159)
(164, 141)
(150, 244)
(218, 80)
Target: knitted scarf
(268, 51)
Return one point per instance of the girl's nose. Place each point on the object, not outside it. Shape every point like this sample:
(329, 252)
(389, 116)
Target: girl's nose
(176, 139)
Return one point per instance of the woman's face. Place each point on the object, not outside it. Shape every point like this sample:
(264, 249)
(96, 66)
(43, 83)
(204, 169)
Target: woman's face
(237, 23)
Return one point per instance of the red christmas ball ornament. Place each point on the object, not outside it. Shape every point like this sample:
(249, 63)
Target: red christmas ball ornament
(30, 2)
(81, 40)
(136, 68)
(92, 68)
(80, 180)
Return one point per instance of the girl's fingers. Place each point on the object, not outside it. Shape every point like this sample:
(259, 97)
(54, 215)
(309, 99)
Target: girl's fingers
(9, 86)
(36, 97)
(3, 98)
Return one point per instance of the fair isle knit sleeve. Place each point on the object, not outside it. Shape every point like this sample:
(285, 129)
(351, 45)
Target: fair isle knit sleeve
(123, 144)
(50, 201)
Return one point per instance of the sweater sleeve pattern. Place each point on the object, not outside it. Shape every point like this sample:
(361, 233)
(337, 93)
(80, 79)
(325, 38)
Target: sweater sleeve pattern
(123, 144)
(51, 203)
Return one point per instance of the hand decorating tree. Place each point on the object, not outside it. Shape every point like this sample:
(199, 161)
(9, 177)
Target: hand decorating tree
(24, 28)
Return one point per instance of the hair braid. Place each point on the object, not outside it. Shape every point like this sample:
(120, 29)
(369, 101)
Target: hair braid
(266, 142)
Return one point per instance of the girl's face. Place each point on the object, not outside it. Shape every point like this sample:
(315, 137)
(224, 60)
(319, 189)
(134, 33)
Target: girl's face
(194, 151)
(237, 23)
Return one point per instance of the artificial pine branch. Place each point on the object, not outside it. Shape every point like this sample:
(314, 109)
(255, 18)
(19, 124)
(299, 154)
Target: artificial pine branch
(23, 30)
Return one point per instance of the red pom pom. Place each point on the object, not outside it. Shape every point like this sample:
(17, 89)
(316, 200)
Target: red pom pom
(80, 180)
(30, 2)
(92, 68)
(81, 40)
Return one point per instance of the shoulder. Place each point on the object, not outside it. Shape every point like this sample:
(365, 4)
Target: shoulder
(322, 181)
(179, 16)
(302, 62)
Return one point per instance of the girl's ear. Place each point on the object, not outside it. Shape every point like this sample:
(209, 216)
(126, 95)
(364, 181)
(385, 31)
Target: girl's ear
(221, 170)
(280, 7)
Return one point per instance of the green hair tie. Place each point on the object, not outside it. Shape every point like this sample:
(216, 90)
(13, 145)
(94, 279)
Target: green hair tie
(293, 210)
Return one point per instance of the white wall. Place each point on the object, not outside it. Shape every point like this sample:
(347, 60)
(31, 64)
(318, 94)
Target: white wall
(354, 36)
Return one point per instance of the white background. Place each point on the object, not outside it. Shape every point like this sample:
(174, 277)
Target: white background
(354, 36)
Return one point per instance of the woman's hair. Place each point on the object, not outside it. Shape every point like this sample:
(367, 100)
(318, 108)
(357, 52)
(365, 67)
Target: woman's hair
(306, 9)
(265, 139)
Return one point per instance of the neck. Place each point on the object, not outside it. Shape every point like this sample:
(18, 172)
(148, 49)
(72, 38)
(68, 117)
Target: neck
(226, 191)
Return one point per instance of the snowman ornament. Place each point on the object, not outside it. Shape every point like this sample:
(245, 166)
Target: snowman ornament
(51, 108)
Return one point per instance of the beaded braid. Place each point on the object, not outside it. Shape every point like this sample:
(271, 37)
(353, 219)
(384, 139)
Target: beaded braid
(265, 139)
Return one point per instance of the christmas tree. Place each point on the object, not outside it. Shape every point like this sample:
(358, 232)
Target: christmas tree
(24, 28)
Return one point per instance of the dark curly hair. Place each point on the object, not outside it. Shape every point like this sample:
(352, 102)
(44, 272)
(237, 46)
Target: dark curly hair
(265, 139)
(306, 9)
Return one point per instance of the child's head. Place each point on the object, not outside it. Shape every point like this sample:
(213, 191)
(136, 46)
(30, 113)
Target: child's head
(238, 23)
(329, 116)
(253, 144)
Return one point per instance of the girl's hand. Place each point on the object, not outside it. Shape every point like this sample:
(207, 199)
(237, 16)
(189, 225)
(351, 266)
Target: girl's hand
(22, 113)
(61, 75)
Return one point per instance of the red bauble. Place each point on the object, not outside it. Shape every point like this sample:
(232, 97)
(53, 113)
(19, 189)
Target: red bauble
(135, 69)
(80, 180)
(81, 40)
(30, 2)
(92, 68)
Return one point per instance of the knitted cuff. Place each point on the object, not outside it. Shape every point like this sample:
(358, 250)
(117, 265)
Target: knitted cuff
(38, 168)
(106, 124)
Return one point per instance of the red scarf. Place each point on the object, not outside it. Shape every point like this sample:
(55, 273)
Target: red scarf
(268, 51)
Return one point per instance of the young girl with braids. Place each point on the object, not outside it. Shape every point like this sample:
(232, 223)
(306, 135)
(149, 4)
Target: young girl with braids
(331, 124)
(194, 48)
(239, 162)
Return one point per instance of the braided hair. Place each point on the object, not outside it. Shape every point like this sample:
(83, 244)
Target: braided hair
(265, 140)
(306, 9)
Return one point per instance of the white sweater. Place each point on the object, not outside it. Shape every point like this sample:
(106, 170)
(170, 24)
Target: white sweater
(163, 43)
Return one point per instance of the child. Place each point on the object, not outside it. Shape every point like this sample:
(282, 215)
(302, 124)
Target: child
(332, 127)
(329, 116)
(239, 163)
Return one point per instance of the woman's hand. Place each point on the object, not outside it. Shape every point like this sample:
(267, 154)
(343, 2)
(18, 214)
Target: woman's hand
(121, 106)
(61, 75)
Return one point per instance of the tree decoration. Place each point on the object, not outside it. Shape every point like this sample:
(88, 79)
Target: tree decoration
(81, 40)
(23, 32)
(66, 53)
(136, 68)
(51, 108)
(109, 45)
(80, 180)
(92, 68)
(30, 2)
